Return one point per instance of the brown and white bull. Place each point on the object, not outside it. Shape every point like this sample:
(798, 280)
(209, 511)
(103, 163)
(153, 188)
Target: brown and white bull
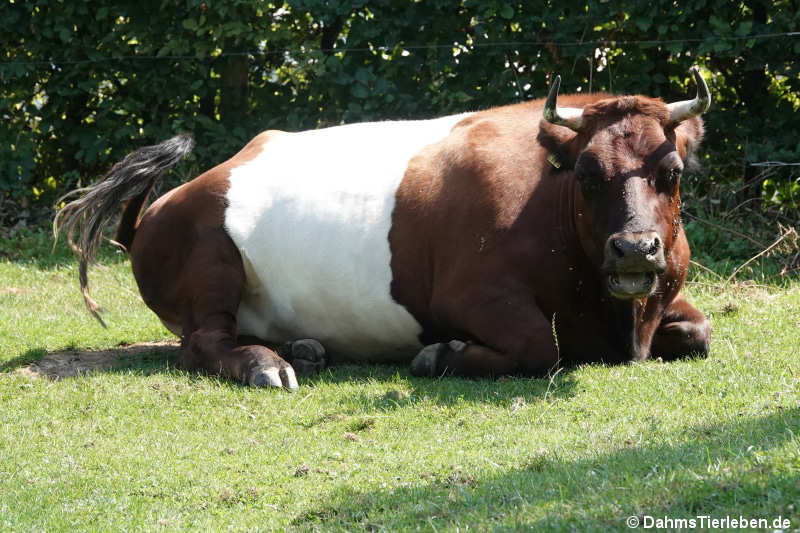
(502, 241)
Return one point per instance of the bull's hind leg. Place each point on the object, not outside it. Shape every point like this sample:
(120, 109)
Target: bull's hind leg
(211, 284)
(307, 356)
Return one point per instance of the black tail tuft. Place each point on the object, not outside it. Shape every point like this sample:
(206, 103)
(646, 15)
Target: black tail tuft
(94, 206)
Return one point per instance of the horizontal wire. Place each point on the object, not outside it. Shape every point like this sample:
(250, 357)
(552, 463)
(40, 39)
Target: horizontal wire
(507, 44)
(497, 44)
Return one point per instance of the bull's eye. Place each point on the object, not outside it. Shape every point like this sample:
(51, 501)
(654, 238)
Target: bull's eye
(583, 176)
(589, 172)
(590, 183)
(671, 176)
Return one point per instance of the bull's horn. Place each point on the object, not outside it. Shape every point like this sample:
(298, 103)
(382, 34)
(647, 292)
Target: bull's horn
(571, 117)
(680, 111)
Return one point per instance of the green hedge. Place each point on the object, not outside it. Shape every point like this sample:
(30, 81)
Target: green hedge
(83, 83)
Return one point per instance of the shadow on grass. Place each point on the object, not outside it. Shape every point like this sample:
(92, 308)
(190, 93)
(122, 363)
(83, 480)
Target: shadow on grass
(161, 357)
(598, 493)
(447, 390)
(144, 358)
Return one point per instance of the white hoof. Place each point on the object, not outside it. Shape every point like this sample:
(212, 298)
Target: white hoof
(272, 376)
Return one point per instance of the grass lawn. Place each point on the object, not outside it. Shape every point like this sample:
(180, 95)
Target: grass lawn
(139, 445)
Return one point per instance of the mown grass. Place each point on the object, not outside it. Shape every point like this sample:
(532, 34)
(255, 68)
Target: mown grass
(144, 446)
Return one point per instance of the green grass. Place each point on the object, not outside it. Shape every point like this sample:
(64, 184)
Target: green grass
(142, 446)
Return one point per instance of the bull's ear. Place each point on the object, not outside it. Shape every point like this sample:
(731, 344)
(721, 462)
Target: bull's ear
(559, 143)
(688, 135)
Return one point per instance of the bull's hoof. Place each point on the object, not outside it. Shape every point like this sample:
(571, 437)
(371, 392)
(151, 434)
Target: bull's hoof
(424, 364)
(272, 373)
(307, 356)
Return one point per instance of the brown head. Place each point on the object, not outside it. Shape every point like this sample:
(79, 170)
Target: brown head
(628, 153)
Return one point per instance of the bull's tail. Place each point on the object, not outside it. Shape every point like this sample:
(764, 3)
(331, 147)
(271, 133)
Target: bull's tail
(91, 208)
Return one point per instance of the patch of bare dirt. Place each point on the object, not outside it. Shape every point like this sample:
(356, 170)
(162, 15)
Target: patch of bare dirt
(15, 291)
(71, 363)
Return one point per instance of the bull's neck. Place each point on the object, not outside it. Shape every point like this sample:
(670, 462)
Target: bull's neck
(627, 322)
(630, 330)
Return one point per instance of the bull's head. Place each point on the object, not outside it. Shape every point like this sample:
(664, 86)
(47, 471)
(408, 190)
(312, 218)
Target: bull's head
(628, 154)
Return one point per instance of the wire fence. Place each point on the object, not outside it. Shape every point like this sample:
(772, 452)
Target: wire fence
(774, 164)
(306, 51)
(409, 47)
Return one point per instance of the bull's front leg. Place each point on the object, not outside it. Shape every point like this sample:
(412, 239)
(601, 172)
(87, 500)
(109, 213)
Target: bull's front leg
(508, 335)
(683, 332)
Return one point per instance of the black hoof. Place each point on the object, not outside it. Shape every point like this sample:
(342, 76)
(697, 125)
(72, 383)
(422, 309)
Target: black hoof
(307, 356)
(426, 361)
(424, 364)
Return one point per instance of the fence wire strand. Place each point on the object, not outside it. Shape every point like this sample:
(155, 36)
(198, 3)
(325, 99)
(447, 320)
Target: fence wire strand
(408, 47)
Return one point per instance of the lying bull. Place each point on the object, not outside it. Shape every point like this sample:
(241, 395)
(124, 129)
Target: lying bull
(496, 242)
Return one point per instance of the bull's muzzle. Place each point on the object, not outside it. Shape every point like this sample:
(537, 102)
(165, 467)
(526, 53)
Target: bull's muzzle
(632, 261)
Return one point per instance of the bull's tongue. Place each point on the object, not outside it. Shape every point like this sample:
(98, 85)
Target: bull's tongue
(631, 284)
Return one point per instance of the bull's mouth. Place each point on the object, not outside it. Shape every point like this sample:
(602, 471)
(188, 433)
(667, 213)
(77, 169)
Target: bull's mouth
(630, 285)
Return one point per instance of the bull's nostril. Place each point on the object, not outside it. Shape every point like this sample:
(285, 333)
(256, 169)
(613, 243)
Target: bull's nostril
(616, 246)
(654, 246)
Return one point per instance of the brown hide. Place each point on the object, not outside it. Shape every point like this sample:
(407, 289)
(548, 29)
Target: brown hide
(492, 244)
(533, 260)
(181, 238)
(191, 274)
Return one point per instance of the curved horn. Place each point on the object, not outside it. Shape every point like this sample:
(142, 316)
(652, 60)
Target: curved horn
(680, 111)
(571, 117)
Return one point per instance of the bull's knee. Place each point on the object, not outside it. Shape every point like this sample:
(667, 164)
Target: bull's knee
(701, 338)
(676, 340)
(202, 346)
(463, 359)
